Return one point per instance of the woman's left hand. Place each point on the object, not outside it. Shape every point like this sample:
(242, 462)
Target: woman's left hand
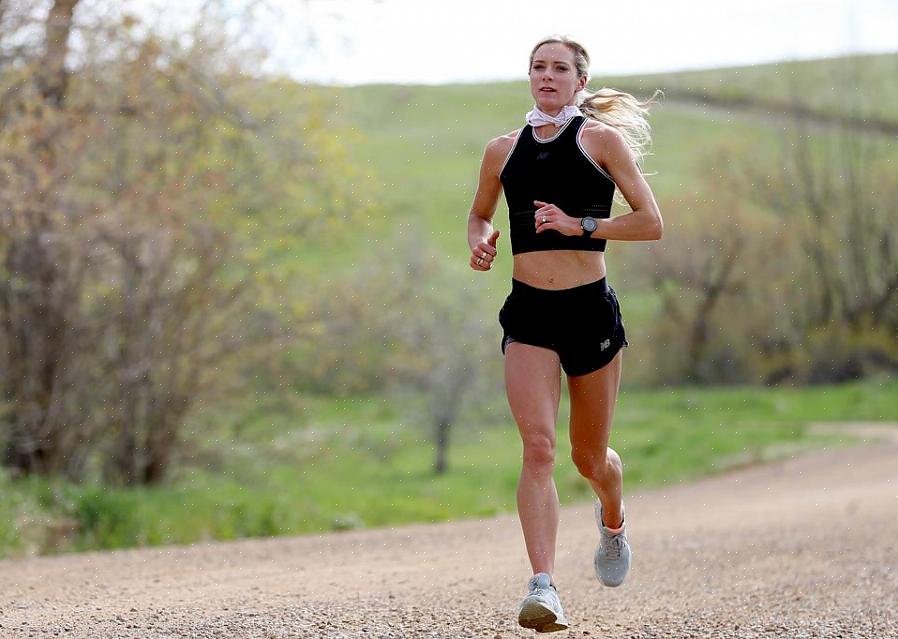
(548, 216)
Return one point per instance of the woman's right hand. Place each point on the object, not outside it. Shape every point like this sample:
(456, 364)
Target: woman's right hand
(484, 253)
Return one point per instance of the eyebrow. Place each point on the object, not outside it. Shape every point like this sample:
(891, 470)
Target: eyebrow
(555, 61)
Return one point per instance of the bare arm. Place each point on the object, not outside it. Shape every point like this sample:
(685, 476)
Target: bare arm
(644, 221)
(481, 235)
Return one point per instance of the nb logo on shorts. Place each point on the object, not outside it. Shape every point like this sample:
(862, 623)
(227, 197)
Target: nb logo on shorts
(604, 344)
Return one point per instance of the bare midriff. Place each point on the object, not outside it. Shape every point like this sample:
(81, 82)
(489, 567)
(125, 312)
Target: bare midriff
(556, 270)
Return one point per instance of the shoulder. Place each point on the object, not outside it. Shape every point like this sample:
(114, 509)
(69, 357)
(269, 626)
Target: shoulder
(502, 144)
(497, 149)
(599, 134)
(604, 143)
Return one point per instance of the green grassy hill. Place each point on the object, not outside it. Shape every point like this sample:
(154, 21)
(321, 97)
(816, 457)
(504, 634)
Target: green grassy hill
(423, 145)
(859, 86)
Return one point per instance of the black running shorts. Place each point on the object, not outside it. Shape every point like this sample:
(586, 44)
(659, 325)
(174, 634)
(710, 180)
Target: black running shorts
(582, 324)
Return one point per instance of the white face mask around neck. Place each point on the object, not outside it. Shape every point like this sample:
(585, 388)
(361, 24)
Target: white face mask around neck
(537, 118)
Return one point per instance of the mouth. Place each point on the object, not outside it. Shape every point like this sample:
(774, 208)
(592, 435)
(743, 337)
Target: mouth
(547, 90)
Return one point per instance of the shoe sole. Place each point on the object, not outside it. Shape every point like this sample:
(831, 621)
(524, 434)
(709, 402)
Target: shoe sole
(536, 616)
(610, 584)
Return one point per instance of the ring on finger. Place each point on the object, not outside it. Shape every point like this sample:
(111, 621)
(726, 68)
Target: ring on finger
(479, 261)
(544, 219)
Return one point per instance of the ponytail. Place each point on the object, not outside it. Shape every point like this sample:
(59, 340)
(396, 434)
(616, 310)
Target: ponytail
(624, 112)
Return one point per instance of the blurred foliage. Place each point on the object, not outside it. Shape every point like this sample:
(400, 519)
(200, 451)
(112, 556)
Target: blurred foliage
(402, 322)
(149, 188)
(791, 276)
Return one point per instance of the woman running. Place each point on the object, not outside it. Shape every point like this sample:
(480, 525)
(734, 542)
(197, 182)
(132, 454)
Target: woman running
(559, 174)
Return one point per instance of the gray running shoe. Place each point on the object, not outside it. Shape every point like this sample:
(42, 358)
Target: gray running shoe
(541, 609)
(612, 559)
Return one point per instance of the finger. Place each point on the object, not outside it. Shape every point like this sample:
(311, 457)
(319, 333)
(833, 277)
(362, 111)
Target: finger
(542, 219)
(492, 239)
(486, 248)
(540, 203)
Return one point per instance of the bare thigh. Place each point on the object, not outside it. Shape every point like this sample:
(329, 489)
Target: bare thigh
(593, 398)
(533, 385)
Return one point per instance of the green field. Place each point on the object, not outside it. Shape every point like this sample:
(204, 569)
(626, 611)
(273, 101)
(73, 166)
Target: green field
(334, 464)
(423, 145)
(862, 86)
(425, 170)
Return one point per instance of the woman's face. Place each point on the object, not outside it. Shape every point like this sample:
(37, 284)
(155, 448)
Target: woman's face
(553, 77)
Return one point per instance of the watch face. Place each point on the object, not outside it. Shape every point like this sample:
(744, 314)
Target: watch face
(589, 224)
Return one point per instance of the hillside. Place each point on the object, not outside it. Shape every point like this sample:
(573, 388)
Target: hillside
(423, 143)
(860, 89)
(421, 147)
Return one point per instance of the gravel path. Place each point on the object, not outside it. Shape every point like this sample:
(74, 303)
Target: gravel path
(805, 547)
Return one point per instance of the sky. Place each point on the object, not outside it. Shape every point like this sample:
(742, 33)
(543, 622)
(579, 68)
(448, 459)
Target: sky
(416, 41)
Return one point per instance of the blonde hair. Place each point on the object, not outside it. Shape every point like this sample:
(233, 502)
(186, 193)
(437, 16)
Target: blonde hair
(609, 106)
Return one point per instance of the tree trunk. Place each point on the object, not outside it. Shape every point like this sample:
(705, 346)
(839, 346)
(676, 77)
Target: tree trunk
(712, 289)
(38, 336)
(442, 446)
(53, 76)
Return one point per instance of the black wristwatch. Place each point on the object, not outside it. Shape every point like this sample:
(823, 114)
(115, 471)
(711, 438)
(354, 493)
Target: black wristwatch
(589, 225)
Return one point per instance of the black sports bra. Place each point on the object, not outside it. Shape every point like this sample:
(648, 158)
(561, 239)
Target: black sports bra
(557, 170)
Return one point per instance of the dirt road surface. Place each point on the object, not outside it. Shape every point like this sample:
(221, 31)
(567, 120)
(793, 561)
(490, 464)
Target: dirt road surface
(804, 547)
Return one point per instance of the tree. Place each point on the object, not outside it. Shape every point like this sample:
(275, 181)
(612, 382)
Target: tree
(841, 281)
(126, 290)
(412, 325)
(784, 268)
(446, 345)
(697, 270)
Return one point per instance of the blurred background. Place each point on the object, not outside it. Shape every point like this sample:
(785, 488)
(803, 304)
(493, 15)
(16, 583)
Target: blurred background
(234, 293)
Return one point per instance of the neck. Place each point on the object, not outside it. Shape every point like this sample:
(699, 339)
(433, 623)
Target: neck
(546, 130)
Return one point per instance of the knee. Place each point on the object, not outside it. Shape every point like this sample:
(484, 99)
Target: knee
(590, 464)
(601, 466)
(539, 454)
